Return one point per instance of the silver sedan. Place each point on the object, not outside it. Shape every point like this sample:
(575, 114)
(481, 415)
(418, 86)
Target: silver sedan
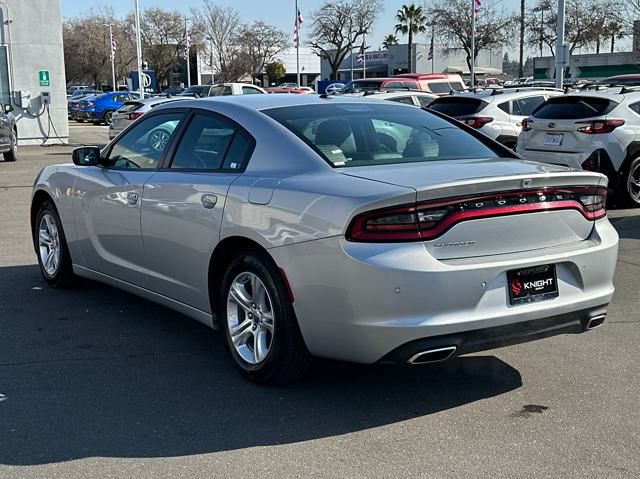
(350, 229)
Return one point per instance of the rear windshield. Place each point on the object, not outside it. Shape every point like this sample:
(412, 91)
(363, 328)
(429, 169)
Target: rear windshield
(363, 85)
(348, 134)
(130, 106)
(196, 90)
(574, 107)
(439, 87)
(458, 106)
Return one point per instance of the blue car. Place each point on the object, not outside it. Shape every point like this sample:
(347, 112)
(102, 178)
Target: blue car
(100, 108)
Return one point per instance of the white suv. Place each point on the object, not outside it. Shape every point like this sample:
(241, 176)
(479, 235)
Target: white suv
(595, 131)
(498, 113)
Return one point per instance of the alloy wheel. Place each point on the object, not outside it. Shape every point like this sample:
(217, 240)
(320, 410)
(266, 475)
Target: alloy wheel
(158, 140)
(250, 318)
(633, 183)
(49, 244)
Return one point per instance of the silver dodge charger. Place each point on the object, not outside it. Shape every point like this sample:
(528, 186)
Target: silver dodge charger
(351, 229)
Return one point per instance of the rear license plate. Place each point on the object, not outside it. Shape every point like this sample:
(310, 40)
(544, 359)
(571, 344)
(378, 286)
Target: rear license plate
(554, 140)
(532, 284)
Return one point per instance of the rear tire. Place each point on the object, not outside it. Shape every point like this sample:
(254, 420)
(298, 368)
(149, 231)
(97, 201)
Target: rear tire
(629, 192)
(107, 117)
(51, 247)
(12, 154)
(269, 348)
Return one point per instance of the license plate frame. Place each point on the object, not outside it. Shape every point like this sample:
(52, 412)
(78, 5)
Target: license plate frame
(532, 284)
(553, 139)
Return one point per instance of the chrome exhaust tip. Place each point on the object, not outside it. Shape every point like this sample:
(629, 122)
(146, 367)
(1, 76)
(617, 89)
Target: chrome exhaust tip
(432, 355)
(596, 321)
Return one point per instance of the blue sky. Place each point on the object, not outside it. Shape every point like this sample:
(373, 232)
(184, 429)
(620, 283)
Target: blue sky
(277, 12)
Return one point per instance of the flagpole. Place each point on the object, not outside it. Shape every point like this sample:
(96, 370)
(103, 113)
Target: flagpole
(297, 45)
(364, 55)
(186, 49)
(473, 44)
(139, 48)
(113, 61)
(433, 50)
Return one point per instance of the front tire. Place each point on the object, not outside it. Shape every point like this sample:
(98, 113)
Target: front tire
(108, 117)
(51, 247)
(259, 323)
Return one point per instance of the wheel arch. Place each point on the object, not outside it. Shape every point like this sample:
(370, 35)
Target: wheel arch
(39, 197)
(223, 254)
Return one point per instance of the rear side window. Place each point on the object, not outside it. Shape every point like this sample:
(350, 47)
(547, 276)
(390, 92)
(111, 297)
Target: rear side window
(407, 100)
(439, 87)
(635, 107)
(424, 100)
(457, 106)
(504, 106)
(456, 86)
(247, 90)
(574, 107)
(129, 106)
(526, 106)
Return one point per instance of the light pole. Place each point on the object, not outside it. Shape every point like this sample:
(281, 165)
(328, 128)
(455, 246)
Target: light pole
(560, 47)
(113, 57)
(139, 48)
(211, 56)
(541, 9)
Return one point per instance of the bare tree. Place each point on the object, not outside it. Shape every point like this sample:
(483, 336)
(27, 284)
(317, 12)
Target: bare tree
(87, 48)
(219, 27)
(337, 27)
(260, 44)
(162, 40)
(494, 28)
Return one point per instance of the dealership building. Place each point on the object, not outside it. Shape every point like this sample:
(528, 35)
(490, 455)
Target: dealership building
(394, 61)
(32, 77)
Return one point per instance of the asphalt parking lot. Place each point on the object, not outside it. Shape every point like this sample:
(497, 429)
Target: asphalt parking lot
(97, 383)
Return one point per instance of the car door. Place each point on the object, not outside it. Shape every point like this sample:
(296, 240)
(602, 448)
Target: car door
(108, 220)
(183, 204)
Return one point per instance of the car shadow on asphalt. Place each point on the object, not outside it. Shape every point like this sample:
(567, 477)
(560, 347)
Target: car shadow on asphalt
(628, 227)
(93, 371)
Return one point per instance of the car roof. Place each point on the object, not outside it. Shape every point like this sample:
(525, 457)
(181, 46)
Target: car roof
(265, 102)
(427, 76)
(392, 94)
(489, 96)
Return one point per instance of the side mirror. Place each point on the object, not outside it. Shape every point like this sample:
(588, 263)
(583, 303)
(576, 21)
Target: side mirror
(86, 156)
(8, 108)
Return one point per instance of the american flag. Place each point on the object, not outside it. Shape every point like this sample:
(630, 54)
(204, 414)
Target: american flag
(296, 30)
(477, 4)
(186, 38)
(114, 45)
(360, 56)
(430, 54)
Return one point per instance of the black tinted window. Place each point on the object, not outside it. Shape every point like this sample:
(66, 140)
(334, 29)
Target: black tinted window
(210, 144)
(129, 106)
(439, 87)
(526, 106)
(351, 134)
(457, 107)
(574, 107)
(635, 107)
(504, 106)
(407, 100)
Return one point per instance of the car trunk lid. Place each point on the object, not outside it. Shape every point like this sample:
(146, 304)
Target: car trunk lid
(499, 207)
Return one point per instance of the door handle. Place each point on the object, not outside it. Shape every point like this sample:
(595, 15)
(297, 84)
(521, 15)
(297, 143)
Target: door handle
(132, 198)
(209, 201)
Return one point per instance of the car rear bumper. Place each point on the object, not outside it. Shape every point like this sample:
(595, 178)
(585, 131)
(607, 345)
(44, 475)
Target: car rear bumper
(85, 115)
(572, 160)
(360, 302)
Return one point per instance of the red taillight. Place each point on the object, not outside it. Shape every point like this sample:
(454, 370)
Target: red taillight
(527, 125)
(601, 126)
(428, 220)
(134, 115)
(477, 122)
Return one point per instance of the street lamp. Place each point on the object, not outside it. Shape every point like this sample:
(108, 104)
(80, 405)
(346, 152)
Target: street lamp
(211, 56)
(113, 57)
(541, 8)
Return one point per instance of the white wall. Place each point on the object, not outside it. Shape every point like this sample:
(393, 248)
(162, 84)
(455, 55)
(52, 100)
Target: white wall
(34, 36)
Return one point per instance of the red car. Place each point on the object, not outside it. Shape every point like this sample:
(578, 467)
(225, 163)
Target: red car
(284, 90)
(437, 83)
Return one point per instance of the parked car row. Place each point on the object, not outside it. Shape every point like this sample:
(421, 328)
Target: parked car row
(436, 83)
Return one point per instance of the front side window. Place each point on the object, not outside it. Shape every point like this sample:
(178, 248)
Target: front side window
(144, 146)
(211, 144)
(348, 135)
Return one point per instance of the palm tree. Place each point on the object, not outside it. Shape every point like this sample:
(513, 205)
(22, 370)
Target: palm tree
(411, 20)
(389, 40)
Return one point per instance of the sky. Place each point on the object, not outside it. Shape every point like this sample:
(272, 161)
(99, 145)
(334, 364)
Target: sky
(280, 13)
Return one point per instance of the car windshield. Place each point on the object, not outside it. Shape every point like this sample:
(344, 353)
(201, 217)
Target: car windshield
(350, 134)
(574, 107)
